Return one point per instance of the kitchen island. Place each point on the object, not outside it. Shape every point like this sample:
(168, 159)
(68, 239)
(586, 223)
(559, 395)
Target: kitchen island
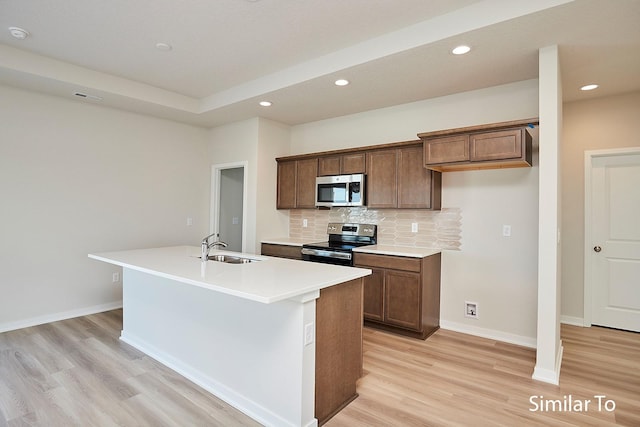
(279, 339)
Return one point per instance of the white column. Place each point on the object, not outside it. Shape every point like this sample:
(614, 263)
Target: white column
(549, 345)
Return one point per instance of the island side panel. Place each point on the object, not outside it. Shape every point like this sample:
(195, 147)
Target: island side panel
(250, 354)
(338, 347)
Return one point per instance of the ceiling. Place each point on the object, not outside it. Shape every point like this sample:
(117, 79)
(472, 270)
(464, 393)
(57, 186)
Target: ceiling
(227, 55)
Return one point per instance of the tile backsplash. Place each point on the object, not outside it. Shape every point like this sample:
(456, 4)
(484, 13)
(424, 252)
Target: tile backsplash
(436, 229)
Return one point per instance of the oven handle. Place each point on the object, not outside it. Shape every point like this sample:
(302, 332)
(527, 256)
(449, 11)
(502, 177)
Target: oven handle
(326, 254)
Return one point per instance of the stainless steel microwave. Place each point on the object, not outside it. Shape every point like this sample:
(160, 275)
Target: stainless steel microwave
(340, 190)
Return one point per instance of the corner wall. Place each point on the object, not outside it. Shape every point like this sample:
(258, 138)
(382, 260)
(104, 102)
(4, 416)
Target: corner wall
(77, 178)
(594, 124)
(257, 141)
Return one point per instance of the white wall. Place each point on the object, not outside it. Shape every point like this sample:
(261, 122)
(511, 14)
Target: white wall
(498, 273)
(233, 143)
(258, 142)
(273, 141)
(594, 124)
(77, 178)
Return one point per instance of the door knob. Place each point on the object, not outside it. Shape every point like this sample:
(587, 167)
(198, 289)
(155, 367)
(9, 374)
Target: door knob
(597, 248)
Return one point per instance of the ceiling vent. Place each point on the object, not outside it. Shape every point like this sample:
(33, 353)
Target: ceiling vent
(87, 96)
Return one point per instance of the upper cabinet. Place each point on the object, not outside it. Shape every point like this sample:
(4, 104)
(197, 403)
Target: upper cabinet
(382, 179)
(345, 164)
(498, 145)
(396, 178)
(296, 186)
(418, 188)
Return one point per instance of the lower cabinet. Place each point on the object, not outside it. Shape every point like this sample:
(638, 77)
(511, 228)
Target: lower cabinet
(402, 294)
(282, 251)
(338, 347)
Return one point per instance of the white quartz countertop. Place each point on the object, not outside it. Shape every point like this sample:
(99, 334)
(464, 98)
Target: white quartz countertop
(266, 280)
(408, 251)
(288, 241)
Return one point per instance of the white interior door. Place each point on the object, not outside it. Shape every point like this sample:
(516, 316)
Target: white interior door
(612, 255)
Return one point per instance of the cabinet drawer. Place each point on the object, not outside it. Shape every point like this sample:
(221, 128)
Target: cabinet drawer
(282, 251)
(496, 145)
(446, 150)
(388, 261)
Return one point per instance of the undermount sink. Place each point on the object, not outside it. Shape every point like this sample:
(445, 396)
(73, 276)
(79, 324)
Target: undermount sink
(230, 259)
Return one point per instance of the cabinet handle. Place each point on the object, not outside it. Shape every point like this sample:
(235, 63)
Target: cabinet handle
(597, 248)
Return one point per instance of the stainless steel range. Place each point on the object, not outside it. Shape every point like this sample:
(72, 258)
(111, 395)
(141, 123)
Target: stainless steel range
(342, 239)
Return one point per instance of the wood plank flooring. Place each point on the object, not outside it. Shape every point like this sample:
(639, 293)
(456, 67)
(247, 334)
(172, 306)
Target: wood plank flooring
(78, 373)
(453, 379)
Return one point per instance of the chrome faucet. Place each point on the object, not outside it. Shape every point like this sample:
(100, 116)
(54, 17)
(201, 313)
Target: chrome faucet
(206, 246)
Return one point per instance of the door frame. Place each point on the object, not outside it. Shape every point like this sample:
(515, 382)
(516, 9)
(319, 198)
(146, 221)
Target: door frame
(589, 156)
(214, 217)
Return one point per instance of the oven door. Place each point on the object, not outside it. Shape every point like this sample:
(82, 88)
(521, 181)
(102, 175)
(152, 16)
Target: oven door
(327, 256)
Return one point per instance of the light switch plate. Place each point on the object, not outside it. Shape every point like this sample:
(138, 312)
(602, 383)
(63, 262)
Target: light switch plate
(308, 334)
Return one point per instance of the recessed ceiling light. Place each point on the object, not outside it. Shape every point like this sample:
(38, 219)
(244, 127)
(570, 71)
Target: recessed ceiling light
(589, 87)
(19, 33)
(164, 47)
(342, 82)
(460, 50)
(266, 103)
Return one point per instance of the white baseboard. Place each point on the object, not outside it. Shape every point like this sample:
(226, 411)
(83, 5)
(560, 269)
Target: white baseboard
(54, 317)
(570, 320)
(489, 333)
(548, 375)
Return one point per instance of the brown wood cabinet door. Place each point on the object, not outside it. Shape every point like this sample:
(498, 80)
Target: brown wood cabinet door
(448, 149)
(306, 173)
(329, 166)
(353, 163)
(500, 145)
(403, 294)
(382, 183)
(374, 295)
(414, 181)
(282, 251)
(286, 190)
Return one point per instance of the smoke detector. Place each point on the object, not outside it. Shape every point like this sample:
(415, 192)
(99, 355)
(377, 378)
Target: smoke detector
(18, 33)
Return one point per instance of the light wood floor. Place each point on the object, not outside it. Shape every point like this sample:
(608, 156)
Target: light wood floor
(452, 379)
(77, 372)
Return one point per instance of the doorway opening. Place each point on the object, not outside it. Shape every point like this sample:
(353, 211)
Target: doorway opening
(228, 204)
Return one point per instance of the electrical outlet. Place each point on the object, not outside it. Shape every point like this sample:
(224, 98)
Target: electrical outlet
(116, 277)
(189, 221)
(308, 334)
(414, 227)
(305, 223)
(471, 309)
(506, 230)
